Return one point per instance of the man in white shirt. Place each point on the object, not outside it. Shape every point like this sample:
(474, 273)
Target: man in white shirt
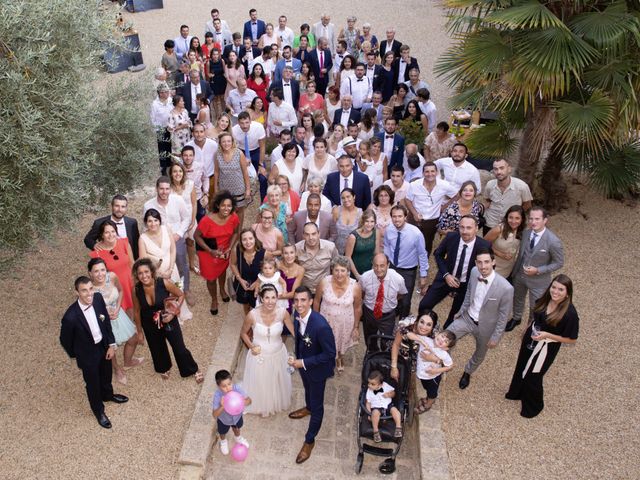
(182, 42)
(220, 35)
(160, 112)
(175, 215)
(428, 107)
(425, 199)
(359, 88)
(285, 33)
(86, 335)
(281, 114)
(456, 169)
(205, 149)
(398, 184)
(240, 98)
(341, 52)
(215, 15)
(264, 60)
(250, 139)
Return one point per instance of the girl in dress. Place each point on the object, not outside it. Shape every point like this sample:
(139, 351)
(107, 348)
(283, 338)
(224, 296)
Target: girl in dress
(270, 275)
(179, 125)
(184, 187)
(291, 272)
(362, 244)
(505, 239)
(309, 124)
(217, 81)
(306, 75)
(266, 378)
(232, 72)
(347, 69)
(339, 300)
(124, 331)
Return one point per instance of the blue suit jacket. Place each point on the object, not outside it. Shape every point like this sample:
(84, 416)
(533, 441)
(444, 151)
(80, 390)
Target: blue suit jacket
(447, 252)
(319, 349)
(75, 334)
(397, 155)
(333, 188)
(262, 27)
(295, 63)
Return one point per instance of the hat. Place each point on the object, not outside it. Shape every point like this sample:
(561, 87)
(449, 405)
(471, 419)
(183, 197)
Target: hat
(348, 142)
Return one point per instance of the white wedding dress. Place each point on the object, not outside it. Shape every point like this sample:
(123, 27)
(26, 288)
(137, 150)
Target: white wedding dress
(266, 379)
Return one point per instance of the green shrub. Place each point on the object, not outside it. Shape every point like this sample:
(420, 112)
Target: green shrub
(69, 137)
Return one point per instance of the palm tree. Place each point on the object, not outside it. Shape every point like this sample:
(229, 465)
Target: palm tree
(565, 78)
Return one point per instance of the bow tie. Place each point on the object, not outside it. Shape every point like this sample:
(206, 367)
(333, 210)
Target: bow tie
(346, 111)
(486, 282)
(402, 61)
(189, 170)
(375, 392)
(388, 136)
(286, 84)
(253, 23)
(360, 79)
(119, 223)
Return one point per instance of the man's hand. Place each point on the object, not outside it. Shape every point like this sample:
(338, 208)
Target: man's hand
(176, 237)
(277, 123)
(423, 285)
(452, 281)
(531, 271)
(111, 352)
(295, 362)
(262, 171)
(492, 343)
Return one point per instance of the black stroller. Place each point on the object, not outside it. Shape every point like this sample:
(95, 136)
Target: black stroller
(378, 357)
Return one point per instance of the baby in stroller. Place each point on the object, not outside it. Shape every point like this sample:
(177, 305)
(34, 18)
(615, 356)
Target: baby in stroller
(378, 401)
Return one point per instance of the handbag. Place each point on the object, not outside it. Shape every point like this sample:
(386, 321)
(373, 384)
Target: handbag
(231, 284)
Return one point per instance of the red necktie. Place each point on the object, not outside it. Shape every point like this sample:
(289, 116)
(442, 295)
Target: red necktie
(377, 308)
(321, 63)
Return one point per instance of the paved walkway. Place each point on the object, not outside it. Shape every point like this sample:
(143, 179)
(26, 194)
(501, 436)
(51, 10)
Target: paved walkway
(275, 441)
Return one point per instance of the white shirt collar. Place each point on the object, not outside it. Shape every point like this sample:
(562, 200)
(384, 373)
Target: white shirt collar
(490, 278)
(538, 234)
(83, 307)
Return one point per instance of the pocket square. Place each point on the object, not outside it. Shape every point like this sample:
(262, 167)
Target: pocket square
(494, 299)
(543, 251)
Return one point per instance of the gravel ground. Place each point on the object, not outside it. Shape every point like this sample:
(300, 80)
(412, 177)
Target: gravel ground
(586, 431)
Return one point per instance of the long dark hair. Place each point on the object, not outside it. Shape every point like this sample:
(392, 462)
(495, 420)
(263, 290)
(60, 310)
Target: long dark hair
(541, 305)
(506, 229)
(418, 111)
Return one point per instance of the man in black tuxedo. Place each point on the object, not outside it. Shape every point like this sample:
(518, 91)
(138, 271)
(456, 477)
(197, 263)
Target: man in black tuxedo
(346, 177)
(321, 64)
(236, 46)
(181, 77)
(247, 54)
(127, 226)
(290, 88)
(347, 115)
(86, 335)
(456, 257)
(390, 44)
(372, 71)
(401, 66)
(190, 91)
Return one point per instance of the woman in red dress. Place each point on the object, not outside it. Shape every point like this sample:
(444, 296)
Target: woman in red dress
(259, 83)
(215, 236)
(117, 255)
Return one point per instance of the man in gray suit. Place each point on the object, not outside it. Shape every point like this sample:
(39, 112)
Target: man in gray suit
(484, 312)
(540, 255)
(324, 221)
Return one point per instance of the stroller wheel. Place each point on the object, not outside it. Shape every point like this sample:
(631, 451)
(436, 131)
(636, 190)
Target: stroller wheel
(388, 466)
(359, 460)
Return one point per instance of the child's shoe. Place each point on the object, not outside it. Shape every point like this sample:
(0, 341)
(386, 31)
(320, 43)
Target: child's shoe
(376, 437)
(224, 447)
(398, 432)
(242, 440)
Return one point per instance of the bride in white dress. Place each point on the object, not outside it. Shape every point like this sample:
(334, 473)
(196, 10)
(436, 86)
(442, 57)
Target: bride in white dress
(157, 243)
(266, 379)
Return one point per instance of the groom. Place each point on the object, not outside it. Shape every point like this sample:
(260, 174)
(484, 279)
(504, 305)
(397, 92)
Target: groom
(316, 359)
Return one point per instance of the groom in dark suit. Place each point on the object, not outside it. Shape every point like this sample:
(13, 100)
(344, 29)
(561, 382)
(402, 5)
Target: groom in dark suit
(86, 335)
(126, 225)
(315, 359)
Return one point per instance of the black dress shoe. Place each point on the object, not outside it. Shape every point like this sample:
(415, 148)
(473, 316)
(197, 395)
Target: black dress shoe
(117, 398)
(104, 421)
(213, 311)
(511, 324)
(464, 381)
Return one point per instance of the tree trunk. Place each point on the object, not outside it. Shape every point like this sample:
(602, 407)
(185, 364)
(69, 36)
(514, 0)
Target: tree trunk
(553, 186)
(538, 124)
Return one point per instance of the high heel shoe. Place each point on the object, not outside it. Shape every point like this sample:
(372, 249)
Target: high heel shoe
(213, 311)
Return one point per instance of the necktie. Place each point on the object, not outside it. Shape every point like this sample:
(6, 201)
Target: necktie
(85, 309)
(377, 308)
(484, 280)
(247, 152)
(346, 183)
(461, 264)
(286, 84)
(532, 243)
(396, 251)
(321, 63)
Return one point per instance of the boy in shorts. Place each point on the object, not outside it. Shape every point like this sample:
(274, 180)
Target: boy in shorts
(226, 421)
(379, 395)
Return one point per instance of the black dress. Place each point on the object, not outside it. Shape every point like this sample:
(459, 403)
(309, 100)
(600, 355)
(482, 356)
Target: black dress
(248, 273)
(157, 337)
(529, 389)
(218, 83)
(387, 80)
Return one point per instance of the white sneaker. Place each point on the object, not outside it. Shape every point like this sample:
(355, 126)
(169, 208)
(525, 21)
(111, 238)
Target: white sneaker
(224, 447)
(242, 440)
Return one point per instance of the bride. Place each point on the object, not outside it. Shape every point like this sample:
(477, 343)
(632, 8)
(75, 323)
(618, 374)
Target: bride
(266, 379)
(157, 243)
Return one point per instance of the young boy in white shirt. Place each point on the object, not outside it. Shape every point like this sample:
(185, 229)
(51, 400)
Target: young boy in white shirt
(379, 395)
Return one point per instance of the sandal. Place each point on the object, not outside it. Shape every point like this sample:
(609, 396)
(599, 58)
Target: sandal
(398, 432)
(199, 377)
(135, 361)
(165, 375)
(421, 407)
(376, 437)
(195, 269)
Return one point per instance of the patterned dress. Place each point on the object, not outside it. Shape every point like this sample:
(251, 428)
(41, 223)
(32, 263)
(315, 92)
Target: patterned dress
(339, 313)
(179, 137)
(230, 177)
(344, 230)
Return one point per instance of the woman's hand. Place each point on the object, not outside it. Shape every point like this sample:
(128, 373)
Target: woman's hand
(355, 334)
(113, 313)
(167, 317)
(540, 336)
(255, 350)
(140, 338)
(244, 284)
(395, 374)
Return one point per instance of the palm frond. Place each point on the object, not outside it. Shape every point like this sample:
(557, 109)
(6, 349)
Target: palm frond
(617, 172)
(493, 140)
(530, 14)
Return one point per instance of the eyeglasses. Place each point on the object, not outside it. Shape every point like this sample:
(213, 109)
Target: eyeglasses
(114, 255)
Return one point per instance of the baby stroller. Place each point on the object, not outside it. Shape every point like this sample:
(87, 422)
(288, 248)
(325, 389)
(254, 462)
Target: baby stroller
(378, 357)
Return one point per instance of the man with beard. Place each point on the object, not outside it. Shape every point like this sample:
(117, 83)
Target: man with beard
(456, 169)
(127, 227)
(503, 192)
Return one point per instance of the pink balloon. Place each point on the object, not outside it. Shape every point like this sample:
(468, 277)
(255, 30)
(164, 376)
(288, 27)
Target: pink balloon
(239, 452)
(233, 403)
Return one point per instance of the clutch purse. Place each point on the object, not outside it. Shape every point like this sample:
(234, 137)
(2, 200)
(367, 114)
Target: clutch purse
(212, 243)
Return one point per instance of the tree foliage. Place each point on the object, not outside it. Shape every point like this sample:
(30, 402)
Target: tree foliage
(568, 70)
(68, 136)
